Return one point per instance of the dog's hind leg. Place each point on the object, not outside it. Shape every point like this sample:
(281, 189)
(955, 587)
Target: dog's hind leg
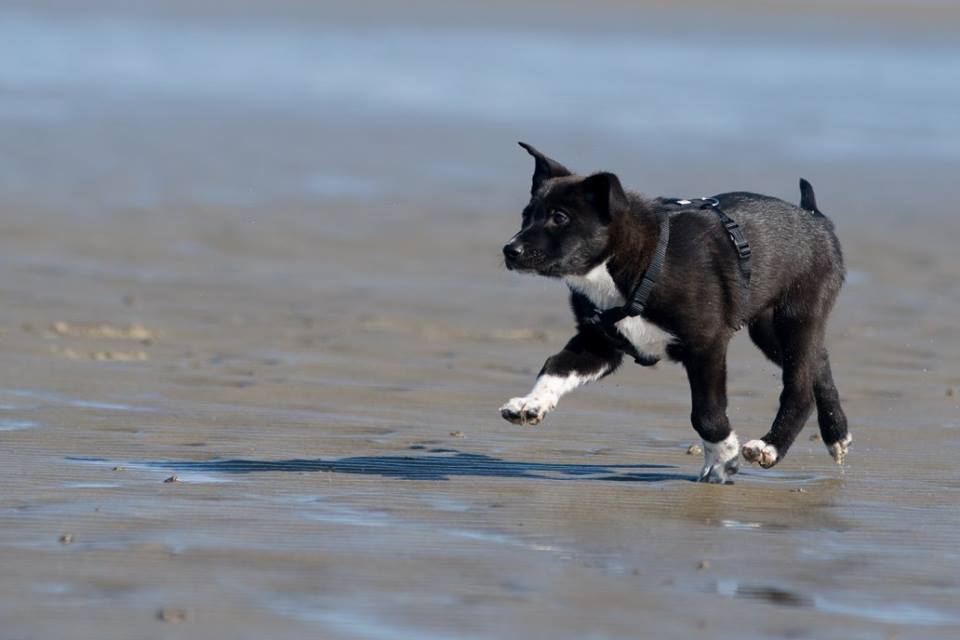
(800, 341)
(830, 415)
(708, 389)
(765, 337)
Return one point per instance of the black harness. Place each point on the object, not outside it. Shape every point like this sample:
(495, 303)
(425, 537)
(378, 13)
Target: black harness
(606, 321)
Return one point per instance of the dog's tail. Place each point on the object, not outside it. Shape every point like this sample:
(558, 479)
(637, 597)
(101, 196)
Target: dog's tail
(808, 200)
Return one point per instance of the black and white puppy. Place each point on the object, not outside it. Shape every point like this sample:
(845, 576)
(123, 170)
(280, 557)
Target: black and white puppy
(600, 239)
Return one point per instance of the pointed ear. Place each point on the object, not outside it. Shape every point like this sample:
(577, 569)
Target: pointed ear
(605, 192)
(544, 169)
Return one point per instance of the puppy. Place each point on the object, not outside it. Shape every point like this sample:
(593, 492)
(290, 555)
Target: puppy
(602, 242)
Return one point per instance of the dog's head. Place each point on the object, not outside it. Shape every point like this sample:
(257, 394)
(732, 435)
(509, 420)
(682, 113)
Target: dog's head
(565, 227)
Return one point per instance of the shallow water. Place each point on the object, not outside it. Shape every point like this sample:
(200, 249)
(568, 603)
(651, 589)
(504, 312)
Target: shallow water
(300, 209)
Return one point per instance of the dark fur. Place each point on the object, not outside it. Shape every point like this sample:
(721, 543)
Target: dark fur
(797, 273)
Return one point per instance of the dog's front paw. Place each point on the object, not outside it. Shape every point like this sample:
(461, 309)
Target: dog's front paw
(719, 473)
(720, 460)
(529, 410)
(760, 452)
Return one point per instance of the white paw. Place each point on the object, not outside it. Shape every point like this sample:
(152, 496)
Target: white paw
(529, 410)
(760, 452)
(720, 460)
(839, 449)
(719, 473)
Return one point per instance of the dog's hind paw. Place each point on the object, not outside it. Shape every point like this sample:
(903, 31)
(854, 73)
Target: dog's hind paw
(760, 452)
(838, 450)
(529, 410)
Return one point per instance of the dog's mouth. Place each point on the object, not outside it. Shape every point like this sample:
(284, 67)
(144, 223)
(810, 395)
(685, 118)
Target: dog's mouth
(528, 261)
(513, 264)
(532, 264)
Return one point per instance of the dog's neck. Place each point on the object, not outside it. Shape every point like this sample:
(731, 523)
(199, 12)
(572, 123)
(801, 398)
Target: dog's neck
(633, 239)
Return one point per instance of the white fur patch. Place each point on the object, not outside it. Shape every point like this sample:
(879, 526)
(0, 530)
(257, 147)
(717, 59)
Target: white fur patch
(760, 452)
(720, 459)
(602, 291)
(547, 391)
(723, 451)
(838, 450)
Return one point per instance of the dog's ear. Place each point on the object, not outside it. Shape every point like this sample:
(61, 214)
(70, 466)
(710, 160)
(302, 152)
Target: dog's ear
(605, 192)
(544, 169)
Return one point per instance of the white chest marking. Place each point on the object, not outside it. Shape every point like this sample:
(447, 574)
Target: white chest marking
(601, 290)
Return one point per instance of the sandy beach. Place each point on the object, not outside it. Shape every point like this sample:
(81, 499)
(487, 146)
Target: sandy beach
(256, 329)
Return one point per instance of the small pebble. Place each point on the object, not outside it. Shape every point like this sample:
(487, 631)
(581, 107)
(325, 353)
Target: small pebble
(172, 615)
(694, 449)
(119, 469)
(458, 434)
(172, 479)
(950, 392)
(814, 437)
(703, 565)
(798, 490)
(66, 538)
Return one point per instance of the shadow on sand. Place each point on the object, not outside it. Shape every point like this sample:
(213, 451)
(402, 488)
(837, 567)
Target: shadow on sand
(422, 467)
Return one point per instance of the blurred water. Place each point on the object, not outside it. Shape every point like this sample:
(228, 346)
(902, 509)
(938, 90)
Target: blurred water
(845, 97)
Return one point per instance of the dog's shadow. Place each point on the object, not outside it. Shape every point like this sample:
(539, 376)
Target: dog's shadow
(441, 466)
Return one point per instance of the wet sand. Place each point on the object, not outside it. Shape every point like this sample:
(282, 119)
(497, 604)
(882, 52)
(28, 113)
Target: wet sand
(290, 301)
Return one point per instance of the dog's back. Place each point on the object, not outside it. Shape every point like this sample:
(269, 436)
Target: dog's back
(790, 246)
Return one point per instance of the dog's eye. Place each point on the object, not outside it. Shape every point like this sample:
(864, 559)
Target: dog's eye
(558, 218)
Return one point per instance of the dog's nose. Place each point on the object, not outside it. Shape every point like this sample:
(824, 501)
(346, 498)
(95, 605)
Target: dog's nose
(512, 250)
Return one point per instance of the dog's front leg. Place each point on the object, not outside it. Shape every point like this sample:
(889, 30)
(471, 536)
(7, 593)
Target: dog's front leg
(707, 371)
(587, 357)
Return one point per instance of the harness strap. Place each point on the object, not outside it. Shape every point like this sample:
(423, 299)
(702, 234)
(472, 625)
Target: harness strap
(739, 240)
(606, 321)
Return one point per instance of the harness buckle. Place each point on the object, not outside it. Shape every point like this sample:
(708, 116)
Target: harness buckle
(739, 240)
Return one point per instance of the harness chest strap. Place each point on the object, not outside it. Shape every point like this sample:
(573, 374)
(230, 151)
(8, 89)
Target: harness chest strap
(606, 321)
